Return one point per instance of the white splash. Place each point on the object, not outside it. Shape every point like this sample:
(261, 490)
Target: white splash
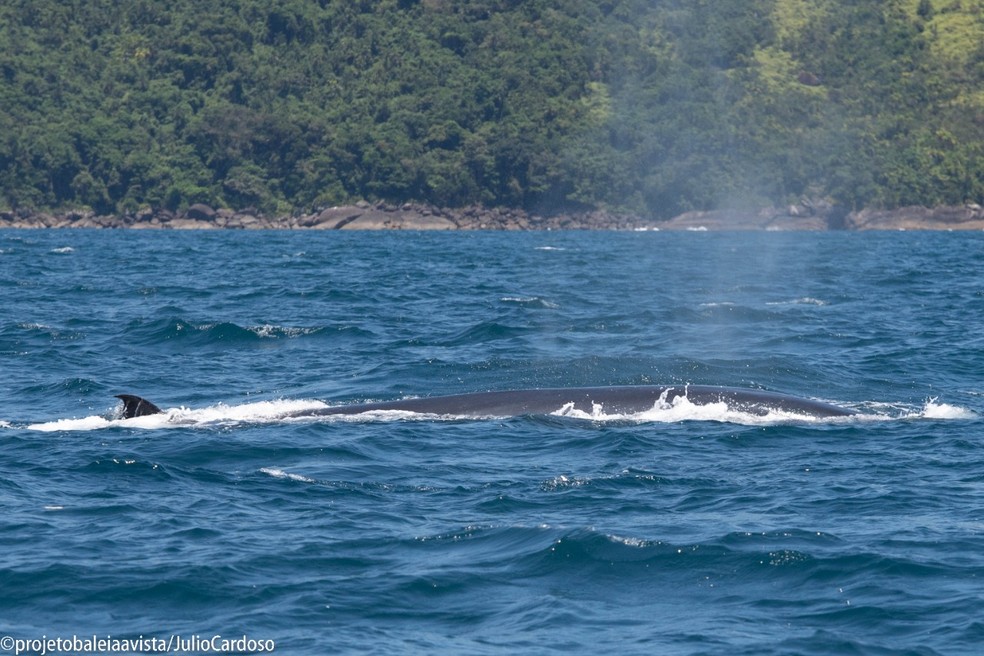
(934, 410)
(682, 409)
(931, 409)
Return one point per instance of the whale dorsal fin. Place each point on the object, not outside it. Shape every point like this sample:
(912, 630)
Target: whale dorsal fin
(134, 406)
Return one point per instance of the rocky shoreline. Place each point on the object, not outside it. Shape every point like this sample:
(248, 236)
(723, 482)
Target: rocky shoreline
(416, 216)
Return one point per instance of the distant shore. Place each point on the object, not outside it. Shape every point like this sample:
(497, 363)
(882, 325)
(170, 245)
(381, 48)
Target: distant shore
(417, 216)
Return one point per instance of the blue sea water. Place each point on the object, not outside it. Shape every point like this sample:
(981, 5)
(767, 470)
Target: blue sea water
(685, 530)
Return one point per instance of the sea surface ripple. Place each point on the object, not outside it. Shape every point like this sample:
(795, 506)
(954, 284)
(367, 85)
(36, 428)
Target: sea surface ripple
(686, 533)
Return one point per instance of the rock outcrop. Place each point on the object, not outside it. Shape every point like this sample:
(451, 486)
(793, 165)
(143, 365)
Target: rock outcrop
(805, 215)
(965, 217)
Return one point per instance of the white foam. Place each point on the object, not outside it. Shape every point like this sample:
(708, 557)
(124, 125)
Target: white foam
(632, 542)
(63, 249)
(529, 300)
(806, 300)
(563, 482)
(257, 412)
(681, 409)
(934, 410)
(931, 409)
(221, 414)
(81, 424)
(276, 472)
(269, 330)
(388, 415)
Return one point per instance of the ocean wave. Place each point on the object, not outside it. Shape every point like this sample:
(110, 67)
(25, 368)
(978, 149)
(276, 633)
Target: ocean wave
(176, 330)
(68, 386)
(486, 331)
(39, 331)
(115, 466)
(276, 472)
(564, 482)
(668, 531)
(805, 300)
(535, 302)
(269, 331)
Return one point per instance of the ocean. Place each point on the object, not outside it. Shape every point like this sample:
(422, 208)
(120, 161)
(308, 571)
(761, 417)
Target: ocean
(225, 526)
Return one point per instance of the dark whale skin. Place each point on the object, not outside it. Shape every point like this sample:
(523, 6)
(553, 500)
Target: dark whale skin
(628, 399)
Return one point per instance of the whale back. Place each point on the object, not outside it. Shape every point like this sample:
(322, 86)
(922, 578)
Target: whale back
(617, 400)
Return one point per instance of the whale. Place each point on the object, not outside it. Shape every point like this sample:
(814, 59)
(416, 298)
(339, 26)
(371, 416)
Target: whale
(614, 400)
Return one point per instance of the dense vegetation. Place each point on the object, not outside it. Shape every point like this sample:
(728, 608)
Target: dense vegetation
(652, 106)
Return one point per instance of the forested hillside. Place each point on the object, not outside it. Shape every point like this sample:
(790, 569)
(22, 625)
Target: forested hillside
(648, 106)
